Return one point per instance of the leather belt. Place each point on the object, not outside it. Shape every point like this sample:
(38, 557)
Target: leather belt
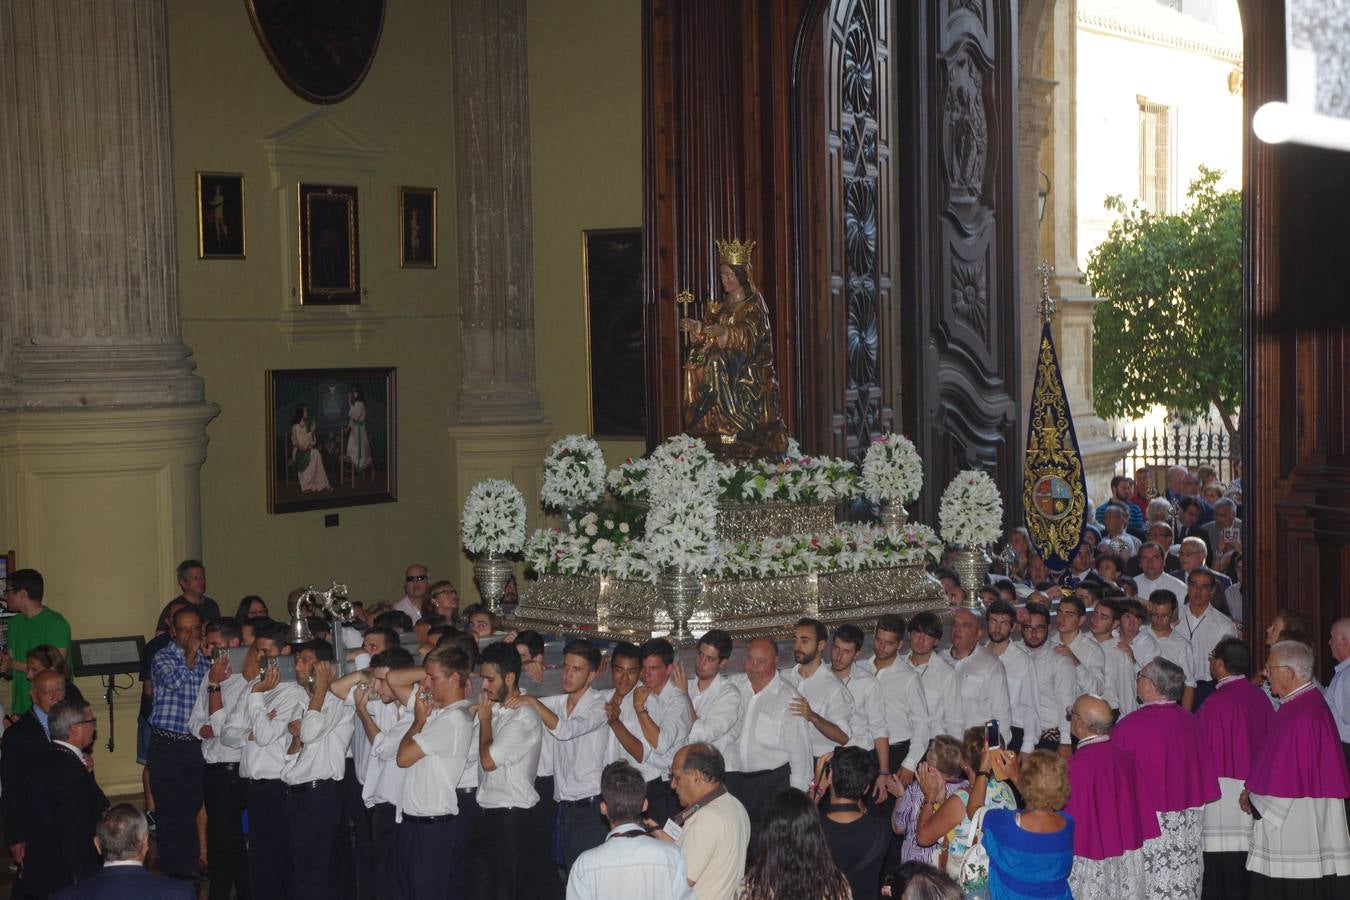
(427, 820)
(307, 786)
(181, 737)
(222, 767)
(583, 802)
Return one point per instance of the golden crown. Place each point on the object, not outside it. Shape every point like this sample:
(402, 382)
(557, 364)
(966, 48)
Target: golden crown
(734, 253)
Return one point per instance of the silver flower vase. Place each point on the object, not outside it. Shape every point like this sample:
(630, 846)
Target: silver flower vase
(971, 565)
(892, 514)
(678, 592)
(490, 573)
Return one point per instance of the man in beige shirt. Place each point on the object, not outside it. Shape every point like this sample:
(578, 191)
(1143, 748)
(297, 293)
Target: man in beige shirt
(712, 830)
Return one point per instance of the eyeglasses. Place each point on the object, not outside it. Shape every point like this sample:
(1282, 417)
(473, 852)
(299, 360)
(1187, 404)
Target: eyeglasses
(411, 578)
(1070, 715)
(1268, 669)
(89, 721)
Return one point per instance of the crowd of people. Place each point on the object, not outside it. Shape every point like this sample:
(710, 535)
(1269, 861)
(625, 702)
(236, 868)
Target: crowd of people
(1082, 745)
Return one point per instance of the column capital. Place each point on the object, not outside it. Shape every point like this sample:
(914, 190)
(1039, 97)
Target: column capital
(1035, 104)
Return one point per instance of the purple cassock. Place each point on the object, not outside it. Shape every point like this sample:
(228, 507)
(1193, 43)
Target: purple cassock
(1166, 741)
(1234, 722)
(1301, 755)
(1112, 815)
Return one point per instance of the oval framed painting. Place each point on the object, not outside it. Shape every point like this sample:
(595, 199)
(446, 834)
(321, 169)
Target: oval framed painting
(322, 49)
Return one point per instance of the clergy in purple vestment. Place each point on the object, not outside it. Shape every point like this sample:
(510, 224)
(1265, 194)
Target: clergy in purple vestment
(1233, 722)
(1178, 780)
(1296, 790)
(1112, 816)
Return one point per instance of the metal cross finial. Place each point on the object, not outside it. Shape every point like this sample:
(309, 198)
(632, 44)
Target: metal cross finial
(1046, 304)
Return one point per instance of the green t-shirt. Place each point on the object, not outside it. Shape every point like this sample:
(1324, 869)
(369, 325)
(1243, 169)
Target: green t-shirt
(47, 627)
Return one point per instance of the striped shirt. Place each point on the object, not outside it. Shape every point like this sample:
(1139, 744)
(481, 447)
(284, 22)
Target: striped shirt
(176, 687)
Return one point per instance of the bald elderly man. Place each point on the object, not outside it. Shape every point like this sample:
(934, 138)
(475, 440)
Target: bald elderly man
(1112, 818)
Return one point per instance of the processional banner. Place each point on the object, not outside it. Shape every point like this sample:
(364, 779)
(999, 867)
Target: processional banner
(1054, 487)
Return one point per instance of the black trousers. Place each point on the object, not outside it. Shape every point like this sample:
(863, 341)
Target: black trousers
(580, 827)
(754, 790)
(269, 844)
(661, 802)
(382, 831)
(224, 794)
(312, 813)
(176, 780)
(1202, 691)
(428, 859)
(353, 858)
(501, 843)
(1225, 876)
(887, 806)
(543, 815)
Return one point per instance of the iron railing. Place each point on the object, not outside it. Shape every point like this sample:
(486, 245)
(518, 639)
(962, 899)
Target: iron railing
(1174, 444)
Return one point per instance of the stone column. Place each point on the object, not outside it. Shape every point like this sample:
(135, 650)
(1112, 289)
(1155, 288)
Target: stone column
(1075, 303)
(102, 421)
(498, 429)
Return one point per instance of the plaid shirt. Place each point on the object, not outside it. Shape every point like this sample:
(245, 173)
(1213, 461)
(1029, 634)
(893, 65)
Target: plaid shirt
(175, 687)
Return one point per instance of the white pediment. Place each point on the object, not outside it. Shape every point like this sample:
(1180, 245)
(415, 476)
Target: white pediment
(320, 140)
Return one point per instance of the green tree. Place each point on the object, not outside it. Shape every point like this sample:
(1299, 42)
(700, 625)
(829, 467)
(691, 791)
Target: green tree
(1170, 332)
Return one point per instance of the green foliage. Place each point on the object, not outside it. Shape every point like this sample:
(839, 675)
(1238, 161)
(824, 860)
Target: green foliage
(1171, 330)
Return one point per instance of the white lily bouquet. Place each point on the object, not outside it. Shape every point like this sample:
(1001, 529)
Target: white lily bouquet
(574, 473)
(494, 518)
(971, 511)
(681, 465)
(892, 471)
(681, 535)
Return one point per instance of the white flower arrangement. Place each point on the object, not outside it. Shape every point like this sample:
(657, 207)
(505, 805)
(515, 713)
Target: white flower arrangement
(892, 471)
(681, 534)
(574, 473)
(494, 518)
(971, 511)
(681, 466)
(804, 479)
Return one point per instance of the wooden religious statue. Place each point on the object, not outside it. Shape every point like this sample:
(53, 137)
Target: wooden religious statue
(730, 384)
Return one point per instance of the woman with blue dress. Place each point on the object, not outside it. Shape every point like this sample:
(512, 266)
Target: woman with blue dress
(1031, 851)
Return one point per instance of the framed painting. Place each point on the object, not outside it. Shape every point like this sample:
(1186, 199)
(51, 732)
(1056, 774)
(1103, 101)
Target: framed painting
(322, 49)
(615, 341)
(330, 249)
(417, 228)
(332, 438)
(220, 215)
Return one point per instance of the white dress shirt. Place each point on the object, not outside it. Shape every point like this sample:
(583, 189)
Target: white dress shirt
(1091, 668)
(771, 736)
(1118, 673)
(1146, 586)
(517, 737)
(407, 606)
(719, 716)
(1204, 631)
(429, 784)
(868, 723)
(383, 779)
(1338, 698)
(1054, 689)
(265, 740)
(907, 717)
(641, 866)
(670, 711)
(579, 745)
(1021, 692)
(939, 691)
(829, 699)
(982, 686)
(325, 735)
(214, 749)
(359, 748)
(468, 780)
(1173, 647)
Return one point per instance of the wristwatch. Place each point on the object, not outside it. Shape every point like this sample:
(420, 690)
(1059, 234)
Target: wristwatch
(213, 689)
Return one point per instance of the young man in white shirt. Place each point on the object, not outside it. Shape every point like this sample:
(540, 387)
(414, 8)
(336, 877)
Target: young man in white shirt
(381, 722)
(1118, 673)
(824, 702)
(575, 723)
(935, 674)
(223, 791)
(509, 743)
(1204, 626)
(1054, 686)
(981, 682)
(261, 763)
(653, 723)
(714, 702)
(628, 862)
(773, 748)
(867, 728)
(907, 718)
(999, 619)
(430, 840)
(1080, 650)
(319, 733)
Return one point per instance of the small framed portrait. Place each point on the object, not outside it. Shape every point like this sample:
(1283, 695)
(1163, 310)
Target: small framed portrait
(332, 438)
(330, 250)
(417, 227)
(220, 215)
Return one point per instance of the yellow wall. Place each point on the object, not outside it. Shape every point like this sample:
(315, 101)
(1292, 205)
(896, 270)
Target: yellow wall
(586, 144)
(585, 95)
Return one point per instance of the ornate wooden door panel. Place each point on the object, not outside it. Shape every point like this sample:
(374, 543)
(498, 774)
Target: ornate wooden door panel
(959, 333)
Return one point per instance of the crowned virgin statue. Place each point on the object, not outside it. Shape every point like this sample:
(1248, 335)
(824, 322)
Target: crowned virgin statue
(730, 386)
